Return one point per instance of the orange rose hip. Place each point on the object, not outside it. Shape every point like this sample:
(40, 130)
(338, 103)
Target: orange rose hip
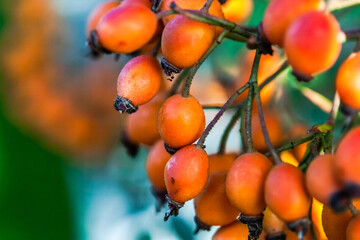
(181, 121)
(186, 174)
(98, 13)
(348, 81)
(308, 51)
(184, 41)
(280, 14)
(245, 183)
(212, 206)
(138, 83)
(126, 28)
(286, 194)
(347, 161)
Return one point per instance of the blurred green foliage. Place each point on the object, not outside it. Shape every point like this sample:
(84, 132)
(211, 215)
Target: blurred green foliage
(34, 204)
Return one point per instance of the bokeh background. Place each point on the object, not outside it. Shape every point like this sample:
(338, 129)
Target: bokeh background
(63, 171)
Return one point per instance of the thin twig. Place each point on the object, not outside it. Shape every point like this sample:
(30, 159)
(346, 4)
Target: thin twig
(292, 145)
(353, 209)
(206, 18)
(250, 99)
(334, 109)
(155, 51)
(193, 70)
(352, 35)
(206, 6)
(220, 113)
(228, 129)
(254, 79)
(166, 13)
(175, 86)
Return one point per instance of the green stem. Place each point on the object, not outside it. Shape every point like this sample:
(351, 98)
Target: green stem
(186, 90)
(242, 131)
(175, 86)
(206, 18)
(212, 107)
(207, 5)
(163, 14)
(250, 99)
(228, 129)
(254, 80)
(219, 114)
(292, 145)
(352, 35)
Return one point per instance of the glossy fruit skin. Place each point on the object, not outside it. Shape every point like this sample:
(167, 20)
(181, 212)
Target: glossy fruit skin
(274, 127)
(141, 126)
(214, 10)
(347, 161)
(221, 162)
(146, 3)
(280, 14)
(335, 224)
(313, 42)
(237, 10)
(184, 41)
(322, 168)
(271, 223)
(186, 173)
(98, 13)
(234, 231)
(245, 183)
(212, 206)
(348, 81)
(181, 121)
(155, 165)
(353, 229)
(137, 23)
(285, 192)
(139, 80)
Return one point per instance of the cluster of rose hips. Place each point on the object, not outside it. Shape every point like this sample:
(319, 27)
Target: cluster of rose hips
(226, 188)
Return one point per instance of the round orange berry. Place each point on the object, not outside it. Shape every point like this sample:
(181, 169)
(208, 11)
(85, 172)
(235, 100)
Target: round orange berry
(285, 192)
(348, 81)
(126, 28)
(181, 121)
(313, 42)
(245, 183)
(186, 173)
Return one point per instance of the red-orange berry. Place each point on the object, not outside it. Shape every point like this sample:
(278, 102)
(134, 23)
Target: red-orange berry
(98, 13)
(221, 162)
(347, 161)
(146, 3)
(320, 178)
(280, 14)
(184, 41)
(313, 42)
(237, 10)
(353, 229)
(285, 193)
(212, 206)
(181, 121)
(245, 183)
(186, 173)
(126, 28)
(234, 231)
(141, 126)
(155, 165)
(335, 224)
(348, 81)
(272, 225)
(138, 82)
